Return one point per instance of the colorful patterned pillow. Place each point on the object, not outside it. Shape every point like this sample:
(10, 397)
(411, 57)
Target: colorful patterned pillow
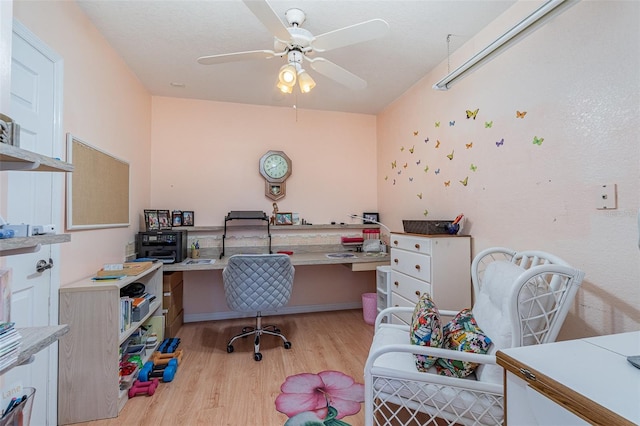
(426, 330)
(462, 334)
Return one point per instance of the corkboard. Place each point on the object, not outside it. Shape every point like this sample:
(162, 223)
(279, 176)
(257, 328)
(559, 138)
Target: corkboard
(98, 188)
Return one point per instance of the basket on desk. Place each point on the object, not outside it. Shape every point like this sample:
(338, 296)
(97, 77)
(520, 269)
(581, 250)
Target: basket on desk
(428, 227)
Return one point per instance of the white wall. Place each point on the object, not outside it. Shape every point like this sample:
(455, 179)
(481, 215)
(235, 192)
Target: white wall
(578, 80)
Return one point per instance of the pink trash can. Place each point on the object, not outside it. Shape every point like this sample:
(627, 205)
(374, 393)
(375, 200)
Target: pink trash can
(369, 307)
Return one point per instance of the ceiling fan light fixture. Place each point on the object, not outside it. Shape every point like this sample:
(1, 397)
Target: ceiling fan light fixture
(306, 82)
(287, 75)
(284, 88)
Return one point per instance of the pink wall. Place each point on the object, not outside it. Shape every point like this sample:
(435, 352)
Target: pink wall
(205, 158)
(568, 77)
(104, 105)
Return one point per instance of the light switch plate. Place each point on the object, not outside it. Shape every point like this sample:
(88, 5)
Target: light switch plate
(606, 197)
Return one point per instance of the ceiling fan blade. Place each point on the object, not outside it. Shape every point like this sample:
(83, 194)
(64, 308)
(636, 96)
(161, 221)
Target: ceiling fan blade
(357, 33)
(269, 18)
(238, 56)
(337, 73)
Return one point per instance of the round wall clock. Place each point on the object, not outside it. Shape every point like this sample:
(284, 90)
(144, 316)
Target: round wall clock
(275, 167)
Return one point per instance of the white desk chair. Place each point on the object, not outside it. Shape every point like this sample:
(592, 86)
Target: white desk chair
(521, 298)
(256, 283)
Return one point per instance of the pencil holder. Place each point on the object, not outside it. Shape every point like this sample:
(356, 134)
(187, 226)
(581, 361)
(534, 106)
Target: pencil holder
(21, 414)
(195, 253)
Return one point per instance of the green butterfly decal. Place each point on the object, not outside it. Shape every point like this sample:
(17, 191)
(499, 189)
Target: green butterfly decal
(473, 167)
(537, 140)
(488, 124)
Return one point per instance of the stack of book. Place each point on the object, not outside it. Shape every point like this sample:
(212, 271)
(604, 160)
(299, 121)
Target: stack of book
(10, 341)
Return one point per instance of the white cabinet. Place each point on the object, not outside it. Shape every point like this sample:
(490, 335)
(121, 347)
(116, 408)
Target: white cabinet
(573, 382)
(383, 286)
(88, 377)
(436, 264)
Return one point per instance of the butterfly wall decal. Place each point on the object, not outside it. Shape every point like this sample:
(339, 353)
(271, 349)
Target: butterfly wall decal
(465, 181)
(426, 169)
(521, 114)
(488, 124)
(401, 148)
(405, 165)
(500, 142)
(437, 144)
(399, 172)
(426, 140)
(473, 167)
(437, 124)
(469, 145)
(452, 123)
(394, 181)
(393, 164)
(412, 149)
(418, 162)
(437, 171)
(472, 114)
(410, 179)
(386, 178)
(420, 195)
(415, 133)
(426, 212)
(450, 156)
(447, 183)
(537, 140)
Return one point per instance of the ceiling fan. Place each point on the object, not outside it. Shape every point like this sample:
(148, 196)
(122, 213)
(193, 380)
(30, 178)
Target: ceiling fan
(297, 44)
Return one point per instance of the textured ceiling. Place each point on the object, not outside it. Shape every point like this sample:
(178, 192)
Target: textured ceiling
(161, 40)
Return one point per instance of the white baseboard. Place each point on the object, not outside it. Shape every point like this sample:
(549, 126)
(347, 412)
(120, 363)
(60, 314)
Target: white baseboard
(213, 316)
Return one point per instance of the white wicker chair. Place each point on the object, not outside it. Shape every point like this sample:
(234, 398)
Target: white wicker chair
(521, 298)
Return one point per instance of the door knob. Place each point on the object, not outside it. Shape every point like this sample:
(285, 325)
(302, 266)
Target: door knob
(42, 265)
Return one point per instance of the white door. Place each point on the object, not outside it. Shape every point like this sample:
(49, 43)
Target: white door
(35, 198)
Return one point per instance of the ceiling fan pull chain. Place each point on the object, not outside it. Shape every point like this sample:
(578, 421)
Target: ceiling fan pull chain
(449, 53)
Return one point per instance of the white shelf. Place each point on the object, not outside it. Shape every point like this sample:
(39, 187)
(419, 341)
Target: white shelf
(13, 246)
(14, 158)
(34, 339)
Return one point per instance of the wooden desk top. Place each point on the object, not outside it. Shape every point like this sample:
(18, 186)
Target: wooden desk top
(361, 262)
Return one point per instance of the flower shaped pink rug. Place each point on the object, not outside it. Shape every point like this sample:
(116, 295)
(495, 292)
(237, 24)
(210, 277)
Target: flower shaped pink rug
(319, 399)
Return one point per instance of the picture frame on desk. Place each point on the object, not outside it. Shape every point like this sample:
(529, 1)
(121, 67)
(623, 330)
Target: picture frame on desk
(151, 220)
(284, 218)
(188, 218)
(176, 218)
(164, 219)
(370, 218)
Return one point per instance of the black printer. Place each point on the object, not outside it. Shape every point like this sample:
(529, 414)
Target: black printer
(168, 246)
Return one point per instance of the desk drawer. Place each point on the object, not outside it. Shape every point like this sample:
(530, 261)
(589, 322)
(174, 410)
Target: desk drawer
(411, 243)
(414, 264)
(408, 287)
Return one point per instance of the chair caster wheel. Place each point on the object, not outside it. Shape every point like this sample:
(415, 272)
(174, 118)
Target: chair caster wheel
(229, 349)
(287, 345)
(257, 356)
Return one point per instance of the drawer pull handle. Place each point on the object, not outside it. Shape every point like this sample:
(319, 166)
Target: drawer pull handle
(395, 242)
(396, 283)
(417, 293)
(396, 261)
(417, 246)
(528, 374)
(418, 267)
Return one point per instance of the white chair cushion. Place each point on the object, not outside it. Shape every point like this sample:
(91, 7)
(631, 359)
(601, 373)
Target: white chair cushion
(491, 311)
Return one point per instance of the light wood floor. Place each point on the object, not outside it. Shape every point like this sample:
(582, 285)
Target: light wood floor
(213, 387)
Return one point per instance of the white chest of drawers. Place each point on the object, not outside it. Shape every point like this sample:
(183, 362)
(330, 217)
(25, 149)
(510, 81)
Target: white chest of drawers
(437, 264)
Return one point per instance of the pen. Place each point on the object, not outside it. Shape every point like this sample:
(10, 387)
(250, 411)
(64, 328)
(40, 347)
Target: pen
(10, 406)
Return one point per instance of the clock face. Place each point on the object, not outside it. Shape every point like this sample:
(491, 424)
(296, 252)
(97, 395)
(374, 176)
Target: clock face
(276, 166)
